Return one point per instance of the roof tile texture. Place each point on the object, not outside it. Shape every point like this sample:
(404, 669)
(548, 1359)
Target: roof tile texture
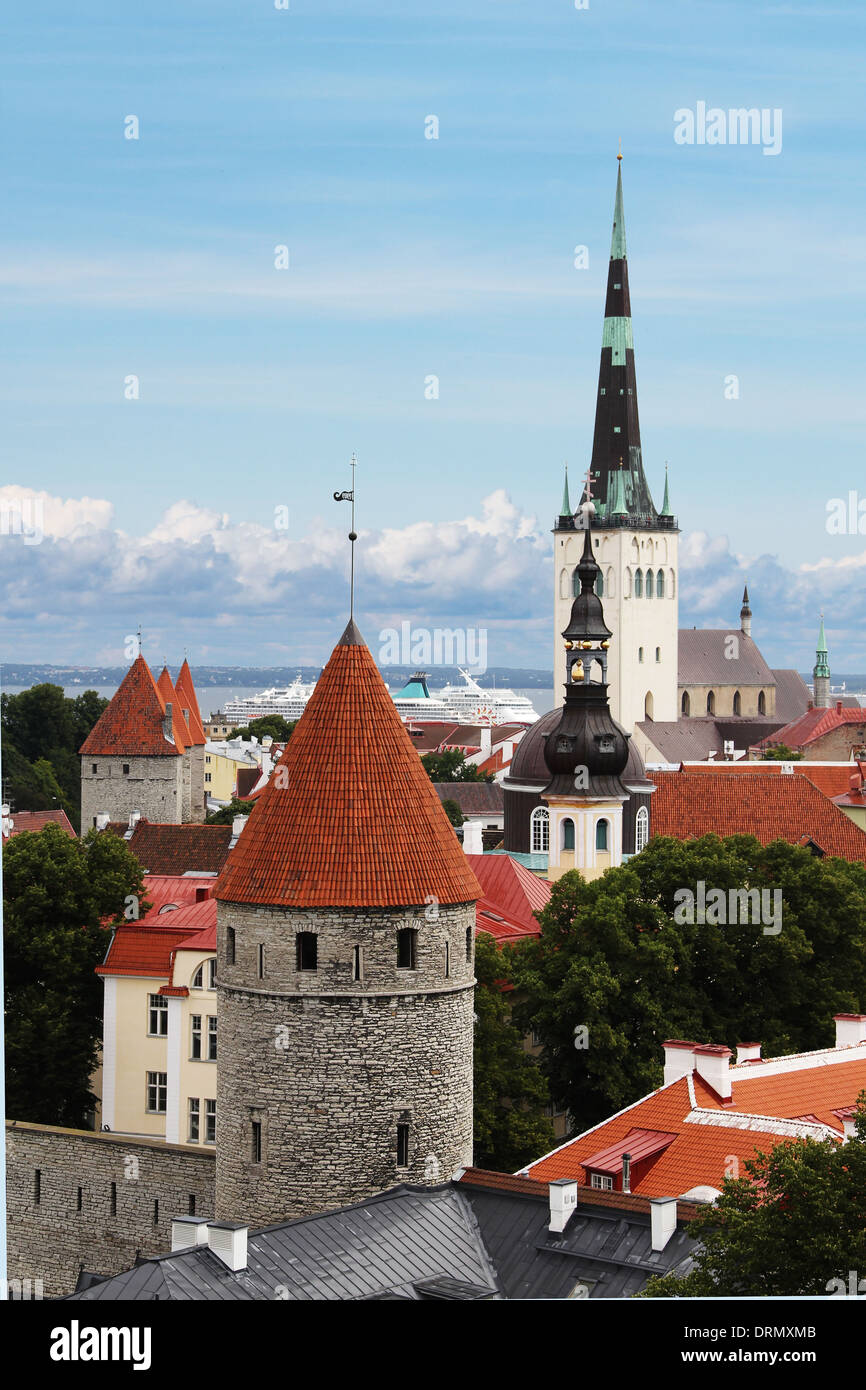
(132, 723)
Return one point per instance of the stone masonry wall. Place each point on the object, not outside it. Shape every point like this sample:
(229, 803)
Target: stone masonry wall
(152, 786)
(329, 1065)
(102, 1198)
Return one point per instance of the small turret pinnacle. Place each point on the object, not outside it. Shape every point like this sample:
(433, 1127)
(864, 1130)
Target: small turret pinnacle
(666, 504)
(566, 501)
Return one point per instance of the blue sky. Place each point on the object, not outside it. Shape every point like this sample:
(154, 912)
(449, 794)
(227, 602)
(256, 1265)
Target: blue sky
(410, 258)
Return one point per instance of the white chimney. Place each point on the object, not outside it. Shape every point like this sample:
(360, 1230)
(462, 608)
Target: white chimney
(712, 1062)
(563, 1203)
(850, 1029)
(187, 1231)
(473, 839)
(485, 741)
(748, 1052)
(134, 818)
(849, 1129)
(238, 823)
(679, 1059)
(228, 1241)
(626, 1172)
(102, 820)
(663, 1220)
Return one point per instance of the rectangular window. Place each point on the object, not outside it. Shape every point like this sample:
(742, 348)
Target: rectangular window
(157, 1091)
(194, 1115)
(157, 1016)
(192, 1204)
(93, 767)
(357, 964)
(126, 769)
(207, 776)
(211, 973)
(78, 1200)
(601, 1181)
(114, 1199)
(447, 960)
(211, 1038)
(195, 1037)
(402, 1145)
(156, 1213)
(37, 1186)
(307, 949)
(468, 943)
(230, 946)
(256, 1153)
(407, 946)
(261, 962)
(210, 1122)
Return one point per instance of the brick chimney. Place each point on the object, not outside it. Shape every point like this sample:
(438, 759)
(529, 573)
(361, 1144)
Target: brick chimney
(712, 1063)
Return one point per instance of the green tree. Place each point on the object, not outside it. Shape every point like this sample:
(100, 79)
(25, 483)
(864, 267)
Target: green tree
(451, 766)
(510, 1126)
(452, 811)
(43, 730)
(59, 893)
(795, 1224)
(226, 814)
(781, 753)
(614, 962)
(275, 725)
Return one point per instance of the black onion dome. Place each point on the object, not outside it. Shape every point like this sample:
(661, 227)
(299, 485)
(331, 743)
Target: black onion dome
(586, 736)
(529, 769)
(587, 614)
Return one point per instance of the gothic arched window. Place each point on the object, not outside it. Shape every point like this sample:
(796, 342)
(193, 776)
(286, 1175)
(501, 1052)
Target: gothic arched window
(599, 585)
(737, 703)
(641, 829)
(649, 583)
(638, 584)
(648, 705)
(601, 834)
(762, 703)
(686, 704)
(660, 584)
(568, 834)
(711, 702)
(539, 830)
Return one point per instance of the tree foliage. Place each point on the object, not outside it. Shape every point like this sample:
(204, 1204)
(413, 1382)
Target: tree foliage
(43, 730)
(781, 753)
(452, 811)
(279, 729)
(792, 1225)
(57, 895)
(613, 958)
(511, 1093)
(226, 814)
(451, 766)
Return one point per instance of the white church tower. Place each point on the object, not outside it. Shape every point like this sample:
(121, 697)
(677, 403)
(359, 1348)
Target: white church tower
(634, 545)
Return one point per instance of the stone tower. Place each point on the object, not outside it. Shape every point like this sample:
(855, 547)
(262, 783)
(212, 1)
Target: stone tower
(345, 950)
(586, 751)
(133, 757)
(821, 672)
(635, 545)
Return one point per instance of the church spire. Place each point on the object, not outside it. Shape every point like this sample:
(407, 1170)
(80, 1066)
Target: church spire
(746, 614)
(566, 501)
(666, 504)
(821, 671)
(617, 427)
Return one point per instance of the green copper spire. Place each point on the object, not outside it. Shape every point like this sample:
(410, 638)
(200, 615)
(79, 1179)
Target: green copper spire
(617, 241)
(566, 503)
(822, 665)
(666, 504)
(618, 505)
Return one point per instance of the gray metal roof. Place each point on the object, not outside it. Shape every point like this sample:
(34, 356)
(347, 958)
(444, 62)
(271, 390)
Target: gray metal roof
(792, 695)
(692, 739)
(702, 659)
(473, 798)
(459, 1241)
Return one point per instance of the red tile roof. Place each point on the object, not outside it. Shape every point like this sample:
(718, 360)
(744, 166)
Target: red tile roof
(511, 889)
(771, 1101)
(588, 1196)
(814, 724)
(169, 696)
(34, 821)
(831, 778)
(147, 948)
(349, 817)
(769, 807)
(189, 701)
(132, 723)
(163, 848)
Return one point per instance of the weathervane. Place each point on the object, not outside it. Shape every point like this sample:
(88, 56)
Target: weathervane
(350, 497)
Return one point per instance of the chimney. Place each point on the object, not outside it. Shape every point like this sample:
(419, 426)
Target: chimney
(663, 1220)
(102, 820)
(238, 824)
(679, 1059)
(711, 1063)
(202, 892)
(473, 839)
(848, 1127)
(228, 1241)
(626, 1172)
(838, 706)
(850, 1029)
(486, 741)
(748, 1052)
(563, 1203)
(167, 722)
(187, 1231)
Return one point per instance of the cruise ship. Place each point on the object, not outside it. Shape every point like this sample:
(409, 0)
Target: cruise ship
(467, 703)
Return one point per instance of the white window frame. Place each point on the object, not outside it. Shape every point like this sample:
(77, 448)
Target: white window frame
(211, 1038)
(540, 817)
(641, 830)
(210, 1122)
(157, 1013)
(211, 973)
(159, 1087)
(602, 1182)
(193, 1120)
(195, 1038)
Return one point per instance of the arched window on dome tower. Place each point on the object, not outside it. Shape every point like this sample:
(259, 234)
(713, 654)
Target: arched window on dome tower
(601, 839)
(539, 830)
(568, 834)
(641, 829)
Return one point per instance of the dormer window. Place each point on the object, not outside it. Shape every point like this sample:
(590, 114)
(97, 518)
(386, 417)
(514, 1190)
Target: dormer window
(606, 743)
(601, 1182)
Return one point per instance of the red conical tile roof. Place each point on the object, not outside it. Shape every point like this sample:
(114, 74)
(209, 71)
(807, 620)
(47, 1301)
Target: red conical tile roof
(132, 723)
(169, 696)
(358, 822)
(187, 696)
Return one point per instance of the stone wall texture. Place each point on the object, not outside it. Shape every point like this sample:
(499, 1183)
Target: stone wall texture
(102, 1199)
(153, 786)
(329, 1066)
